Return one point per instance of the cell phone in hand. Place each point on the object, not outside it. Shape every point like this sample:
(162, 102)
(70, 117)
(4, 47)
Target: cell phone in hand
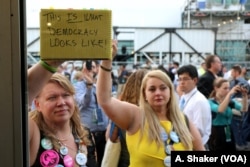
(89, 65)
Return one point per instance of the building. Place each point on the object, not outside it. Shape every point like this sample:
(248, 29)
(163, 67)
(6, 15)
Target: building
(227, 21)
(231, 18)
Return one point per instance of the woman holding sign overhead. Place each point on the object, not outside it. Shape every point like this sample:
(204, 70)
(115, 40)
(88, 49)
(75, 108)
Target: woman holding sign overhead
(56, 135)
(156, 127)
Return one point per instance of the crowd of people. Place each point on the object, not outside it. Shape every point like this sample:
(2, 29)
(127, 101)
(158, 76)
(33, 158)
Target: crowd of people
(157, 110)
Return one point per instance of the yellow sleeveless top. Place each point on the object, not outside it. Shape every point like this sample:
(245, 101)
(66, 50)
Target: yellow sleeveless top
(147, 154)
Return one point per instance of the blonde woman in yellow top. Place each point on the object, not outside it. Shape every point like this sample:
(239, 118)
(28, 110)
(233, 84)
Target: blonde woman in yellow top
(155, 125)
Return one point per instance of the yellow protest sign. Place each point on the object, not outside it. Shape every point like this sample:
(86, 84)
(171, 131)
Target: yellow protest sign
(75, 34)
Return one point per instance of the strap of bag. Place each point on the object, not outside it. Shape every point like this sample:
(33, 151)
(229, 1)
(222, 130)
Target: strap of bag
(115, 132)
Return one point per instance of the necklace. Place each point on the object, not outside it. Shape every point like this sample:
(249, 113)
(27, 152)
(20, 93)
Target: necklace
(51, 157)
(63, 144)
(80, 158)
(63, 139)
(168, 140)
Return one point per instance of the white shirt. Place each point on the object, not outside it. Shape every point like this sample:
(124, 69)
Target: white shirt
(198, 110)
(227, 75)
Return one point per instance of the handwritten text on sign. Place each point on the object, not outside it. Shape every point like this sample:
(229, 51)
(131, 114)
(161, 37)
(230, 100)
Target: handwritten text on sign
(75, 34)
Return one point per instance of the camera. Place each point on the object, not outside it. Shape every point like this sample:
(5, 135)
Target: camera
(89, 65)
(243, 85)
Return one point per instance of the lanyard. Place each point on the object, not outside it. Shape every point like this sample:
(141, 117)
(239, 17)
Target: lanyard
(173, 137)
(189, 99)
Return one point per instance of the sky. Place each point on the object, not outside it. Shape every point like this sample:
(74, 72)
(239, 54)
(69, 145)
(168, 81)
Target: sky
(128, 13)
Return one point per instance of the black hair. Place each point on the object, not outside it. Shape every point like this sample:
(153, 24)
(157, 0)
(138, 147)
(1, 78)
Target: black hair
(237, 68)
(188, 69)
(176, 63)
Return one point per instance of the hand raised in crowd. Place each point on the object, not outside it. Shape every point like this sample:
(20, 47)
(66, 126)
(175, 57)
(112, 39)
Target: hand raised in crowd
(39, 74)
(114, 48)
(239, 89)
(88, 75)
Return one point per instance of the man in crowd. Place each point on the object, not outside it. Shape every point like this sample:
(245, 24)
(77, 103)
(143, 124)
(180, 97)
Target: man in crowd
(205, 83)
(193, 103)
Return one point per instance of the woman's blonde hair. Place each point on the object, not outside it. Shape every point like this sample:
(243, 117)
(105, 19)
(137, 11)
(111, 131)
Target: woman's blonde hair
(75, 120)
(131, 91)
(173, 113)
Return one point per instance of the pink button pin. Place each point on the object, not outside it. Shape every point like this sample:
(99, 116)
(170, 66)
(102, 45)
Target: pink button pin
(49, 158)
(68, 161)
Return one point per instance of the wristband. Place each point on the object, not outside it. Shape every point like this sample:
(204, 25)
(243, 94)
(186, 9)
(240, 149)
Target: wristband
(89, 84)
(47, 66)
(106, 69)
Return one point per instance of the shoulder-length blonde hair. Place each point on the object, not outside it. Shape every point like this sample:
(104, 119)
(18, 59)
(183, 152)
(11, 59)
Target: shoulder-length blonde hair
(173, 113)
(75, 120)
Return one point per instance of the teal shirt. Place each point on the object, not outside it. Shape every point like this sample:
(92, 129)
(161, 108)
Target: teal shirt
(225, 117)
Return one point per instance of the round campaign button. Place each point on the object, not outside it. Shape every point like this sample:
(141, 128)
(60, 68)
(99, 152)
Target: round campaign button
(46, 144)
(77, 140)
(168, 149)
(49, 158)
(81, 159)
(164, 136)
(59, 165)
(167, 161)
(68, 161)
(64, 150)
(174, 137)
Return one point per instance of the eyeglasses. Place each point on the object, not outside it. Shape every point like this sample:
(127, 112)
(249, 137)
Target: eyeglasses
(183, 79)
